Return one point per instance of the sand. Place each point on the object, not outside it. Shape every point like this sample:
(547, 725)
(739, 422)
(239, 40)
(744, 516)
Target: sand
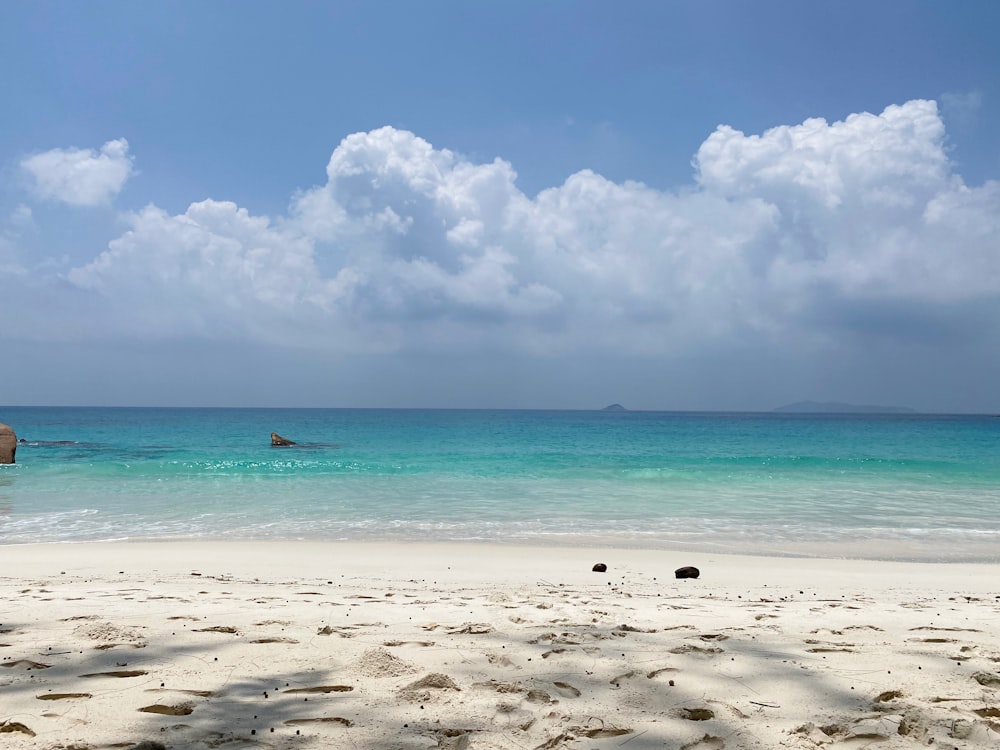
(303, 645)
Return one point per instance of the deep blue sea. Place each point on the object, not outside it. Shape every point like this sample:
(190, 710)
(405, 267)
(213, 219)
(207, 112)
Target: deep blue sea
(877, 486)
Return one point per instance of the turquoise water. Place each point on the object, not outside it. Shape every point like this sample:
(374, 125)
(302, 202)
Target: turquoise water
(907, 487)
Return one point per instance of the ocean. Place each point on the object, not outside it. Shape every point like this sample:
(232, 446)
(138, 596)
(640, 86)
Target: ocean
(906, 487)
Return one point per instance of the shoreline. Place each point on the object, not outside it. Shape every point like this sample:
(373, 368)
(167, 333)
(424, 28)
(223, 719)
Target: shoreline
(244, 547)
(479, 562)
(499, 647)
(858, 551)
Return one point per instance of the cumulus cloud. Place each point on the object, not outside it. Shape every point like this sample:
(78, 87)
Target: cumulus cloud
(424, 231)
(213, 271)
(800, 234)
(80, 177)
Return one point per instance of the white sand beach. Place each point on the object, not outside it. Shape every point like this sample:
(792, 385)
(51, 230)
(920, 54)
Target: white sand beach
(309, 645)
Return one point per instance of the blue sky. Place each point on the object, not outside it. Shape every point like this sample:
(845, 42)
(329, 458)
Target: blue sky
(672, 205)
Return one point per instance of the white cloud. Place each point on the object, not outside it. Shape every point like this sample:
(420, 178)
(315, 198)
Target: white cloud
(80, 177)
(213, 271)
(423, 230)
(818, 165)
(793, 237)
(867, 208)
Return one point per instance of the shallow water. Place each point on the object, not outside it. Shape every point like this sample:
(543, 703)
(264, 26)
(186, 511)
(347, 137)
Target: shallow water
(901, 487)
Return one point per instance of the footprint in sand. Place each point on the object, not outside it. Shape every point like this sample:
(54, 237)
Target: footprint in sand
(888, 695)
(323, 689)
(565, 639)
(499, 660)
(327, 630)
(25, 664)
(986, 679)
(687, 649)
(657, 672)
(616, 681)
(948, 630)
(217, 629)
(422, 644)
(199, 693)
(62, 696)
(708, 742)
(555, 651)
(453, 739)
(860, 734)
(538, 696)
(696, 714)
(274, 640)
(566, 690)
(912, 725)
(596, 733)
(321, 720)
(182, 709)
(473, 628)
(109, 646)
(15, 726)
(632, 629)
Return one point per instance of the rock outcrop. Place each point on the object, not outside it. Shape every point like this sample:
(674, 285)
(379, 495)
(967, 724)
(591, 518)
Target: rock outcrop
(8, 444)
(279, 441)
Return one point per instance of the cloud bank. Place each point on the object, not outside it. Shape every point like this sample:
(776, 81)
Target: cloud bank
(80, 177)
(814, 237)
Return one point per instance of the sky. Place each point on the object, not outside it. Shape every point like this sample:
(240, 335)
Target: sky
(677, 205)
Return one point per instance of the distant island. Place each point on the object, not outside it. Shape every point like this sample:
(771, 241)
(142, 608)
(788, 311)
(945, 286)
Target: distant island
(836, 407)
(614, 407)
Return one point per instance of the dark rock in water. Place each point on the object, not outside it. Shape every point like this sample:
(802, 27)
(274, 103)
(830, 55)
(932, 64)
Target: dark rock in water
(600, 568)
(8, 444)
(688, 571)
(277, 440)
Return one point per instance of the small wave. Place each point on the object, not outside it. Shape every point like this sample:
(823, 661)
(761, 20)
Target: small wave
(310, 446)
